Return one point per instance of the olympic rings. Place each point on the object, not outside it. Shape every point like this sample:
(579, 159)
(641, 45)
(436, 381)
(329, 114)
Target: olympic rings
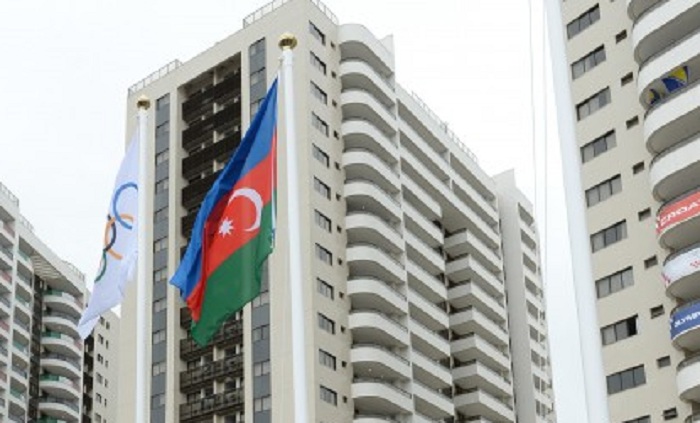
(115, 200)
(111, 226)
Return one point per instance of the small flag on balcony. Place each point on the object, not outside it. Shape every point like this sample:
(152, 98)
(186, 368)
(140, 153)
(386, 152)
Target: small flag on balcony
(676, 79)
(653, 96)
(120, 243)
(233, 234)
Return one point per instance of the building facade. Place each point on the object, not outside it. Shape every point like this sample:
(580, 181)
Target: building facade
(406, 298)
(633, 70)
(41, 354)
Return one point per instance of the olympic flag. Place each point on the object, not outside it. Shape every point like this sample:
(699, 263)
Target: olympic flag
(120, 243)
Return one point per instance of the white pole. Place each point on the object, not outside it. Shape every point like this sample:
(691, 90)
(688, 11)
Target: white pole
(287, 43)
(591, 352)
(141, 334)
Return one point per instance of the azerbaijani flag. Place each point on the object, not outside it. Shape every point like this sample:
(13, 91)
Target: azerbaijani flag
(234, 231)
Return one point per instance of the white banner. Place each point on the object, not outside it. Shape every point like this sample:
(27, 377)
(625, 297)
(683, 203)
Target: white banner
(681, 266)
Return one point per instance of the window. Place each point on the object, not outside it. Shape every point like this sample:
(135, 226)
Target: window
(317, 34)
(317, 92)
(260, 333)
(609, 236)
(157, 400)
(322, 221)
(329, 396)
(322, 188)
(326, 324)
(158, 368)
(262, 404)
(603, 190)
(651, 262)
(585, 20)
(159, 305)
(645, 419)
(160, 215)
(256, 47)
(160, 275)
(644, 214)
(317, 63)
(670, 413)
(320, 155)
(319, 124)
(162, 157)
(656, 311)
(160, 244)
(621, 36)
(639, 167)
(614, 283)
(627, 79)
(626, 379)
(588, 62)
(159, 336)
(619, 331)
(326, 359)
(593, 104)
(324, 288)
(257, 77)
(663, 362)
(262, 368)
(632, 122)
(162, 186)
(598, 146)
(324, 255)
(163, 130)
(262, 299)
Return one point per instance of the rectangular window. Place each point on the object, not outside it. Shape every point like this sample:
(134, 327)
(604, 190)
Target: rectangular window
(645, 419)
(324, 288)
(317, 63)
(160, 215)
(158, 368)
(322, 188)
(592, 104)
(322, 221)
(585, 20)
(162, 186)
(320, 155)
(598, 146)
(324, 255)
(620, 330)
(257, 77)
(609, 236)
(329, 396)
(326, 359)
(262, 404)
(261, 368)
(160, 244)
(260, 333)
(159, 336)
(615, 282)
(317, 92)
(157, 400)
(257, 47)
(159, 305)
(603, 190)
(316, 33)
(162, 157)
(588, 62)
(626, 379)
(319, 124)
(326, 324)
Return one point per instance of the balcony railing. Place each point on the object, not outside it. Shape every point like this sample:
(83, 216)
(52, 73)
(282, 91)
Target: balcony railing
(231, 332)
(217, 403)
(70, 404)
(54, 356)
(210, 371)
(381, 348)
(383, 382)
(383, 282)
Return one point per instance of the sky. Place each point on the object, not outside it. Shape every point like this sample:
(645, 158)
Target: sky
(67, 67)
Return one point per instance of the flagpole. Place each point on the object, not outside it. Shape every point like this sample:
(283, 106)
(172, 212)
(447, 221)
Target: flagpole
(143, 105)
(287, 43)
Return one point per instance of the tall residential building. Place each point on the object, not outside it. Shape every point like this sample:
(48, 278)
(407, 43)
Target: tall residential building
(638, 144)
(41, 355)
(405, 298)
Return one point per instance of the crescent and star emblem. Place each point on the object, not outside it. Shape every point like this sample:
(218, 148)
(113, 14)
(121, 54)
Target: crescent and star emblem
(227, 227)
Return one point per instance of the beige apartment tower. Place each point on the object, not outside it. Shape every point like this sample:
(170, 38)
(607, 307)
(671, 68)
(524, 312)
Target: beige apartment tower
(633, 72)
(407, 304)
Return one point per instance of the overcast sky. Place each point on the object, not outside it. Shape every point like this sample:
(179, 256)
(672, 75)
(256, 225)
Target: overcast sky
(67, 66)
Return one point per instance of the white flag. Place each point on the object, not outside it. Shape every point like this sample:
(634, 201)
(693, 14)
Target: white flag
(119, 252)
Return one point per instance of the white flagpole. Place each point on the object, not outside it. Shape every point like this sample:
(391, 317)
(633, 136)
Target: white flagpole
(287, 43)
(141, 335)
(591, 350)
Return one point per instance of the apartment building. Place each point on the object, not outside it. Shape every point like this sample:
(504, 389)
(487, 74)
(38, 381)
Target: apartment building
(406, 298)
(41, 354)
(632, 77)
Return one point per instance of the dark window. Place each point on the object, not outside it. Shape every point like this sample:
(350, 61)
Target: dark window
(670, 413)
(585, 20)
(593, 104)
(318, 63)
(632, 122)
(319, 124)
(326, 359)
(619, 330)
(326, 324)
(320, 155)
(317, 92)
(322, 188)
(324, 255)
(324, 288)
(639, 167)
(663, 361)
(609, 236)
(329, 395)
(644, 214)
(656, 311)
(651, 262)
(627, 79)
(260, 333)
(626, 379)
(588, 62)
(598, 146)
(603, 190)
(317, 34)
(615, 282)
(621, 36)
(322, 221)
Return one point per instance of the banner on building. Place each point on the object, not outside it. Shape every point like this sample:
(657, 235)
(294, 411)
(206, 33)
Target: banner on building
(677, 212)
(681, 266)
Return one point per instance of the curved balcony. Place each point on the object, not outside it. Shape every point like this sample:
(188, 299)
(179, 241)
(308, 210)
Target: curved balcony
(426, 312)
(675, 171)
(688, 379)
(473, 373)
(430, 343)
(471, 295)
(635, 8)
(21, 331)
(357, 42)
(465, 242)
(472, 347)
(368, 418)
(59, 408)
(681, 273)
(661, 25)
(674, 119)
(685, 326)
(60, 386)
(356, 74)
(63, 302)
(430, 372)
(467, 268)
(358, 104)
(359, 133)
(360, 163)
(370, 260)
(470, 320)
(365, 195)
(432, 403)
(376, 396)
(417, 223)
(428, 286)
(367, 227)
(61, 365)
(373, 327)
(424, 255)
(367, 293)
(62, 344)
(370, 360)
(477, 402)
(423, 202)
(677, 222)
